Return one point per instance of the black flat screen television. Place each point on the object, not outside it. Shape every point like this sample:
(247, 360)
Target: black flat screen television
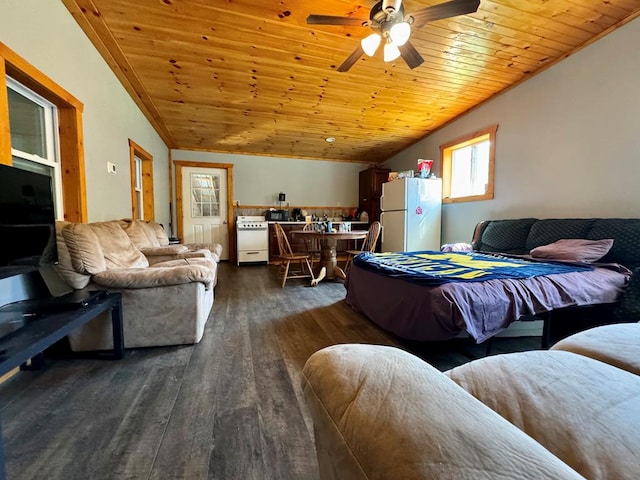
(27, 221)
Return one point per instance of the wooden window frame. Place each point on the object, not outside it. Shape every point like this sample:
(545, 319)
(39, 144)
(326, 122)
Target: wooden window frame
(74, 191)
(148, 207)
(446, 151)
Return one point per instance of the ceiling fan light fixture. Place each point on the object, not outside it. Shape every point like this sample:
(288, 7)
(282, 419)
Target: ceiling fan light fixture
(391, 6)
(370, 44)
(391, 52)
(400, 33)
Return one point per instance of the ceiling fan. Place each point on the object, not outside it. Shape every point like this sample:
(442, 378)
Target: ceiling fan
(392, 27)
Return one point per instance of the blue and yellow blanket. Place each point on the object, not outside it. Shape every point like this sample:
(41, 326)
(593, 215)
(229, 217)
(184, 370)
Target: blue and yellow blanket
(436, 268)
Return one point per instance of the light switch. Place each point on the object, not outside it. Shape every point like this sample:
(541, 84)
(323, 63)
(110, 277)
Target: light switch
(111, 168)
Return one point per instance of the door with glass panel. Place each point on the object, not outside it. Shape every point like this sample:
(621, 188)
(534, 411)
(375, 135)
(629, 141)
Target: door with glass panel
(204, 207)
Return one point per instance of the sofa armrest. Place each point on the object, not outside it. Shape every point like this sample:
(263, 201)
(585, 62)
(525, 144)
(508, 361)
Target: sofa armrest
(174, 250)
(214, 248)
(380, 412)
(154, 277)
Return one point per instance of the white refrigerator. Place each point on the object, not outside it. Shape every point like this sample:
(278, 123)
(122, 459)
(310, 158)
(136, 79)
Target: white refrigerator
(411, 214)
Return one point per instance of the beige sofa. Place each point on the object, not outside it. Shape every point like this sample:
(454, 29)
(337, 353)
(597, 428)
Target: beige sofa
(152, 240)
(167, 303)
(383, 413)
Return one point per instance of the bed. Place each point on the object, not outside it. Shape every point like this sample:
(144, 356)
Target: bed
(435, 311)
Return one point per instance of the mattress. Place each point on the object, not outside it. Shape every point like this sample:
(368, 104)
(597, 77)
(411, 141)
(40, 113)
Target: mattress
(483, 308)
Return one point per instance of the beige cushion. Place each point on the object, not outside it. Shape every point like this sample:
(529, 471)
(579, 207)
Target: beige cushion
(381, 413)
(583, 411)
(617, 345)
(159, 233)
(118, 249)
(154, 277)
(65, 266)
(86, 253)
(140, 234)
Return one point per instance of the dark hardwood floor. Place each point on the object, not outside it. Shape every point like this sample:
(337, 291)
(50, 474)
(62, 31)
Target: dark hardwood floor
(227, 408)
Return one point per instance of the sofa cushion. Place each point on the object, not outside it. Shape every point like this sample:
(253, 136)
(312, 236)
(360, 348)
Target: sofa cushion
(584, 411)
(574, 250)
(65, 266)
(154, 277)
(381, 413)
(160, 235)
(118, 249)
(626, 232)
(546, 231)
(506, 236)
(617, 345)
(86, 253)
(139, 233)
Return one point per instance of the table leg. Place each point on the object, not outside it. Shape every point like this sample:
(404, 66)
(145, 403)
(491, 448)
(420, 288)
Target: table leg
(319, 276)
(118, 334)
(328, 259)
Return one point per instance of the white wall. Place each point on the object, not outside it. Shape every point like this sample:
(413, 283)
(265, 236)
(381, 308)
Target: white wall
(258, 180)
(568, 144)
(45, 34)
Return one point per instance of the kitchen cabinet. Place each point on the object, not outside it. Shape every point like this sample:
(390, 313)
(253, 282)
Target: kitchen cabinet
(370, 190)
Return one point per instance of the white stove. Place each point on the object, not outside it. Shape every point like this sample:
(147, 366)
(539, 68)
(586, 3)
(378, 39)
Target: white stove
(252, 239)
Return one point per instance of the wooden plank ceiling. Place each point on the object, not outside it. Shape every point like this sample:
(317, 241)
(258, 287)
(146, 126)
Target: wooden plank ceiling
(251, 77)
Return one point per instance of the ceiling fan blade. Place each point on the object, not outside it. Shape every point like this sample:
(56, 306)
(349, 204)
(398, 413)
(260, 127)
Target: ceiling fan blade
(333, 20)
(410, 55)
(351, 59)
(444, 10)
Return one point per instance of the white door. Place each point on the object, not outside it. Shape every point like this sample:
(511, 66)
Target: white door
(204, 215)
(393, 230)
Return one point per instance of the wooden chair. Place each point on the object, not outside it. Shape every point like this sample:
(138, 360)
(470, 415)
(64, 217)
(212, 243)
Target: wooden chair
(287, 256)
(312, 244)
(369, 244)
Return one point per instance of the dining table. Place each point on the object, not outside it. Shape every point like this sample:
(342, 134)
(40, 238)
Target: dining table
(328, 264)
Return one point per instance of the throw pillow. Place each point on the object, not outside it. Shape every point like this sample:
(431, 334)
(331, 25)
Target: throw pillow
(574, 250)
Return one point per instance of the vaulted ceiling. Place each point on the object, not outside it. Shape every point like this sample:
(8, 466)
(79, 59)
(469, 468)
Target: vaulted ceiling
(252, 77)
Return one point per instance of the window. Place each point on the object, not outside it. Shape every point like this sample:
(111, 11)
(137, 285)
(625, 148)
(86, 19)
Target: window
(66, 117)
(141, 182)
(205, 194)
(34, 141)
(467, 167)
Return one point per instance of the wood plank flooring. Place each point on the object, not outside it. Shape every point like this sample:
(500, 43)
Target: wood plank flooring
(227, 408)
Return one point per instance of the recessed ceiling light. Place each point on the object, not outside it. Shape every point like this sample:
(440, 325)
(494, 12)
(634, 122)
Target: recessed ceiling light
(330, 139)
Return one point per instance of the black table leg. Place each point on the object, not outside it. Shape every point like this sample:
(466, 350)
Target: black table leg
(118, 334)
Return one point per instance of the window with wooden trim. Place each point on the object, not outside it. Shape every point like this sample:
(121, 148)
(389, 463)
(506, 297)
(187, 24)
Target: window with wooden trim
(468, 167)
(66, 118)
(34, 136)
(142, 202)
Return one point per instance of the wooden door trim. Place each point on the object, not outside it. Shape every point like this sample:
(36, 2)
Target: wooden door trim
(179, 165)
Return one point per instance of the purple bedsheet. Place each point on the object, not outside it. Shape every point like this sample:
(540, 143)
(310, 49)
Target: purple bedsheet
(483, 309)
